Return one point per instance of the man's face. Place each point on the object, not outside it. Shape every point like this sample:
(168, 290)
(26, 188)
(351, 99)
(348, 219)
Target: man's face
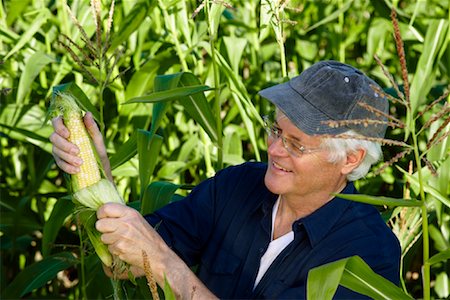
(305, 175)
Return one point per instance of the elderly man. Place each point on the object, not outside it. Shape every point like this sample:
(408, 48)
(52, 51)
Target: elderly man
(255, 230)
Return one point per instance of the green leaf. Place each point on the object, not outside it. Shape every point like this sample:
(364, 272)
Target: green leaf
(379, 200)
(10, 221)
(157, 194)
(215, 13)
(29, 33)
(149, 146)
(171, 169)
(38, 274)
(168, 292)
(198, 107)
(131, 23)
(359, 277)
(427, 188)
(61, 210)
(169, 95)
(331, 17)
(323, 281)
(435, 39)
(33, 67)
(26, 133)
(352, 273)
(439, 257)
(168, 88)
(235, 48)
(125, 152)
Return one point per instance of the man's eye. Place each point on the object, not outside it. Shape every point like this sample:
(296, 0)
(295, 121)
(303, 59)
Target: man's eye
(277, 130)
(295, 145)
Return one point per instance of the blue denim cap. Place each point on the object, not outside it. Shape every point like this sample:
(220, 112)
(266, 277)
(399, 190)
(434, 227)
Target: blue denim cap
(330, 91)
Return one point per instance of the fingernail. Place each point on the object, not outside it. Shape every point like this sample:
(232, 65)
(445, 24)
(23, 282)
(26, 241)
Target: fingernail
(78, 161)
(74, 151)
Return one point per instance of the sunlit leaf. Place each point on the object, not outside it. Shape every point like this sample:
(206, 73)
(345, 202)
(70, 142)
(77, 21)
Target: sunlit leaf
(157, 194)
(148, 146)
(439, 257)
(380, 200)
(352, 273)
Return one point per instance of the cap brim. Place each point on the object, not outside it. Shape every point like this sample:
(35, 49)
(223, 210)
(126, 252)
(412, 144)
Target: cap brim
(299, 111)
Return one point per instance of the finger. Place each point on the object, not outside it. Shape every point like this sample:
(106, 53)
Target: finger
(66, 156)
(112, 210)
(63, 144)
(108, 238)
(99, 144)
(107, 225)
(68, 168)
(59, 127)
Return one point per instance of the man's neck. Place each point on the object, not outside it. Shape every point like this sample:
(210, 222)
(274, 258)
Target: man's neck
(293, 208)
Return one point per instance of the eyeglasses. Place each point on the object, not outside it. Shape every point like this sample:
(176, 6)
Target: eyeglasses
(293, 147)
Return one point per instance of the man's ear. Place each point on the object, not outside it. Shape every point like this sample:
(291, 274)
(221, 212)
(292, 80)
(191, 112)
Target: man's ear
(353, 160)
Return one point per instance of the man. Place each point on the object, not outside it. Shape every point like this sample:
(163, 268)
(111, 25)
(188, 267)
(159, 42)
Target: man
(255, 230)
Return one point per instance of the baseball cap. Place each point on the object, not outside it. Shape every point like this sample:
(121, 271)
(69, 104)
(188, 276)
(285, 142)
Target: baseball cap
(331, 91)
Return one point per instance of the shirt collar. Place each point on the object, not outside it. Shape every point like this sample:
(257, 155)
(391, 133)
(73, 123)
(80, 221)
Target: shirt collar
(318, 224)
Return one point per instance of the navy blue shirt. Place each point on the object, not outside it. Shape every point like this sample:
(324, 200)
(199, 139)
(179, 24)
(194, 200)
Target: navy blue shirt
(224, 227)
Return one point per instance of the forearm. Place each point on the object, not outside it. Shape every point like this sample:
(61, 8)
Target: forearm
(184, 283)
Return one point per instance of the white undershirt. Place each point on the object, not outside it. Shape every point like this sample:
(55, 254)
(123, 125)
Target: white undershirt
(275, 246)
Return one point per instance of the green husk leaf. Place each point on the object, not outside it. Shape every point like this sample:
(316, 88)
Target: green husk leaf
(98, 194)
(88, 219)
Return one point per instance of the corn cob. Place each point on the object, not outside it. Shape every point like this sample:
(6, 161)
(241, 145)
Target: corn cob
(90, 189)
(89, 170)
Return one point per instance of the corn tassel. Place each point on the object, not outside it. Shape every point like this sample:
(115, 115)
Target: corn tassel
(90, 190)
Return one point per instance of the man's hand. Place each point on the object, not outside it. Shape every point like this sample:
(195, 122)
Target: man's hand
(127, 234)
(66, 153)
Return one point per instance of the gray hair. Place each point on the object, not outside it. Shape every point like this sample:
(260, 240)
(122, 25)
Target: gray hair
(339, 147)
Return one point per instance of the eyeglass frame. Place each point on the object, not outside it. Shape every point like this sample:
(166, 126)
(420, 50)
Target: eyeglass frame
(274, 132)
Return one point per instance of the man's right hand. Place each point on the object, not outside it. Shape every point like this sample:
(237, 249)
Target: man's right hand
(66, 153)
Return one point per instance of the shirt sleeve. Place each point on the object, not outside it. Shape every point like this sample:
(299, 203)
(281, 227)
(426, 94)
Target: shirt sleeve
(188, 225)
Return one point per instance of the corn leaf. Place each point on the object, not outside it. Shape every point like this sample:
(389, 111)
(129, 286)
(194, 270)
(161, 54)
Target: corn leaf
(61, 210)
(427, 188)
(156, 195)
(125, 152)
(168, 292)
(33, 67)
(131, 23)
(30, 32)
(169, 95)
(235, 48)
(435, 39)
(439, 257)
(198, 107)
(38, 274)
(189, 95)
(331, 16)
(352, 273)
(148, 148)
(379, 200)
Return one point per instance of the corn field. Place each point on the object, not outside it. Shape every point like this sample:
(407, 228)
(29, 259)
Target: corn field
(173, 86)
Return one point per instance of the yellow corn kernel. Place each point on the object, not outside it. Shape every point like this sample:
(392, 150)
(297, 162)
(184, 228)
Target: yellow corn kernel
(89, 171)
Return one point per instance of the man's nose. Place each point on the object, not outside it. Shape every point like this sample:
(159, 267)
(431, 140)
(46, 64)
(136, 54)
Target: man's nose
(276, 147)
